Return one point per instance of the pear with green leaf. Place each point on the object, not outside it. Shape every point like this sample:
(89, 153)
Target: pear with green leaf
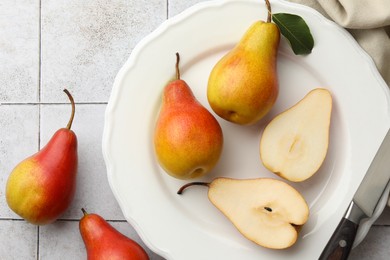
(243, 85)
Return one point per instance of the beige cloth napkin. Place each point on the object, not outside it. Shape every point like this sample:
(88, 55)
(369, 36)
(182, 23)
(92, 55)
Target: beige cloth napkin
(367, 21)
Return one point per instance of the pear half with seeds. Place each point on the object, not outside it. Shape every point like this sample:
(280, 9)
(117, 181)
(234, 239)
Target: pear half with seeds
(267, 211)
(295, 143)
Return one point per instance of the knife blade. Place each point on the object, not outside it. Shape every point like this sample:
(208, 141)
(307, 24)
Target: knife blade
(363, 204)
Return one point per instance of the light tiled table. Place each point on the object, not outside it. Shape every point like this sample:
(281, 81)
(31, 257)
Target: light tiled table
(46, 46)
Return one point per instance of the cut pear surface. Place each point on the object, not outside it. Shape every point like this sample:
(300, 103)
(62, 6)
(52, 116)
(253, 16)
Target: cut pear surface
(266, 211)
(295, 143)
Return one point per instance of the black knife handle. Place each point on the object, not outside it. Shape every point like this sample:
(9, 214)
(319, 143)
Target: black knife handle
(340, 244)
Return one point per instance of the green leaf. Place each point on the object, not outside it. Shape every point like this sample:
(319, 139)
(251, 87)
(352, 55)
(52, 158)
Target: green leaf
(295, 29)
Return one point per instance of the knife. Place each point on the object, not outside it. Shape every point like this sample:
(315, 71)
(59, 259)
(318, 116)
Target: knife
(362, 206)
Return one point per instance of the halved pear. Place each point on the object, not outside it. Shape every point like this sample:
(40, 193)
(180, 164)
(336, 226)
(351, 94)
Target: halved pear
(266, 211)
(295, 143)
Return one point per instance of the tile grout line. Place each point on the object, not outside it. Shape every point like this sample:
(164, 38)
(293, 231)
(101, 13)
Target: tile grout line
(69, 220)
(39, 69)
(39, 98)
(53, 103)
(40, 51)
(37, 242)
(167, 9)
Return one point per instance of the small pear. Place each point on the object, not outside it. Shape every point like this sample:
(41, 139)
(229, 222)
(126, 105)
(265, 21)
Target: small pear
(102, 241)
(42, 186)
(295, 143)
(243, 85)
(188, 139)
(266, 211)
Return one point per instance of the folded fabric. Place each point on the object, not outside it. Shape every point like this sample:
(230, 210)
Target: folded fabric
(367, 21)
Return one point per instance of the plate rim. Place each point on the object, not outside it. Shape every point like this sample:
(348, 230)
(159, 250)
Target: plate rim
(165, 25)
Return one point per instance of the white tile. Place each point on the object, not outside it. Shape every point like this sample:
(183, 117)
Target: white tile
(18, 240)
(374, 246)
(177, 6)
(19, 140)
(85, 43)
(93, 191)
(54, 240)
(19, 50)
(61, 240)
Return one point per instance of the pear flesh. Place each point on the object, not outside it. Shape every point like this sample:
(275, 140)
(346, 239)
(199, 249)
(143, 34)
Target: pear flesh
(295, 143)
(243, 85)
(266, 211)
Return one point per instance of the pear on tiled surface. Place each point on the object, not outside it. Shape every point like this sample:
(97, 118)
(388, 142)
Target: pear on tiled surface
(42, 186)
(102, 241)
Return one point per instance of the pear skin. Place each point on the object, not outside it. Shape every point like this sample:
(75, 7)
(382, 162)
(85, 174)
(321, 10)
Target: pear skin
(103, 241)
(188, 140)
(295, 143)
(243, 85)
(42, 186)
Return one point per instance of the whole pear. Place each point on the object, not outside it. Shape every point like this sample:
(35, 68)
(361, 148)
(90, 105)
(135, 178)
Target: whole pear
(42, 186)
(243, 85)
(188, 139)
(102, 241)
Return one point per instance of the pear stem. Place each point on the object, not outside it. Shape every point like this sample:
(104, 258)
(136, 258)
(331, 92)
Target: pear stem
(180, 191)
(69, 125)
(177, 65)
(84, 211)
(269, 17)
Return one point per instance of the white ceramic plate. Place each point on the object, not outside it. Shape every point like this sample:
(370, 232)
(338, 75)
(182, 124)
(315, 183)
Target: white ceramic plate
(188, 226)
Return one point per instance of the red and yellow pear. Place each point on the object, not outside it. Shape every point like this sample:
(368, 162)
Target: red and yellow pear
(42, 186)
(188, 139)
(243, 84)
(103, 241)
